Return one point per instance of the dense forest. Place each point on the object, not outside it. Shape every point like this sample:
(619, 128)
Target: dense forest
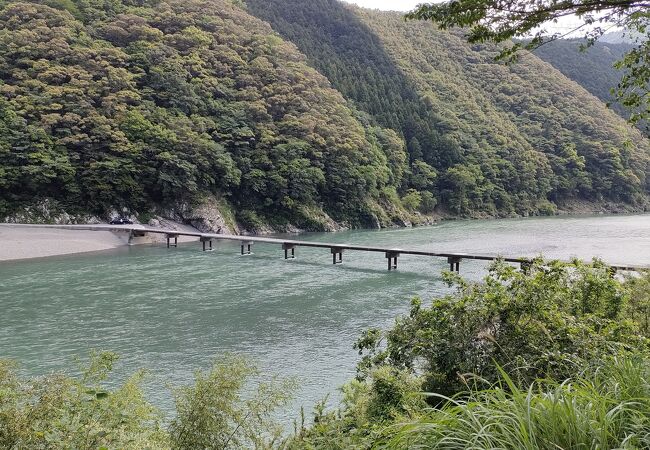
(591, 67)
(499, 138)
(113, 104)
(156, 105)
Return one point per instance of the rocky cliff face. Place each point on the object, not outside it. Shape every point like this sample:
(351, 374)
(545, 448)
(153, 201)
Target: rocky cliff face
(210, 216)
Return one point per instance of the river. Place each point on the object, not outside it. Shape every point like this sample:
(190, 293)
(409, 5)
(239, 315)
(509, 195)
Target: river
(174, 310)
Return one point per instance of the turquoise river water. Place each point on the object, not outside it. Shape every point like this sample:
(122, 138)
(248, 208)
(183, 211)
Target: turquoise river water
(174, 310)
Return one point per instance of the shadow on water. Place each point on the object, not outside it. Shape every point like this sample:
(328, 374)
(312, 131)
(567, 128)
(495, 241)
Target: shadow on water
(402, 272)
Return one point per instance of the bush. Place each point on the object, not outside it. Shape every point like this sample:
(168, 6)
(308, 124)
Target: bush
(412, 200)
(211, 413)
(547, 321)
(60, 411)
(488, 355)
(546, 208)
(428, 203)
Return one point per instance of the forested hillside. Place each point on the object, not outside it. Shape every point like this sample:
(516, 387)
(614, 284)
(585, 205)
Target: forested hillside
(500, 139)
(159, 104)
(592, 68)
(156, 106)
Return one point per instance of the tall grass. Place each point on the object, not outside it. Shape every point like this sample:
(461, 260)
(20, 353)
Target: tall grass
(606, 408)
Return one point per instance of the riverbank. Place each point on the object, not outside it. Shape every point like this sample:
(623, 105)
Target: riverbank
(28, 242)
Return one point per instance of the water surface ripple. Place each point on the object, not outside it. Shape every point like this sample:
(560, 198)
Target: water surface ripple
(173, 310)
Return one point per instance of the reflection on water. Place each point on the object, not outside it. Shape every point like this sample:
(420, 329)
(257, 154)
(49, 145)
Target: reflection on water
(174, 310)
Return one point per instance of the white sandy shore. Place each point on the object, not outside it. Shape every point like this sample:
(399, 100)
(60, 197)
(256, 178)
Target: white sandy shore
(24, 242)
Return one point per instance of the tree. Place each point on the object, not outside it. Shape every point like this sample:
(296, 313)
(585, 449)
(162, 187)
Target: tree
(501, 20)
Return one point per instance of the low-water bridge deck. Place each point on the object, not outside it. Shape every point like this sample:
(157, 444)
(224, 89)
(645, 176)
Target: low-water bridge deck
(289, 246)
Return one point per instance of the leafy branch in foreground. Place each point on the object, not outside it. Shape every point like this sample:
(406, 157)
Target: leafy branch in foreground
(61, 411)
(499, 21)
(459, 371)
(212, 414)
(546, 322)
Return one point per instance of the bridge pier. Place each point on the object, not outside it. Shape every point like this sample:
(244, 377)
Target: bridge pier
(247, 245)
(337, 251)
(169, 237)
(454, 263)
(286, 247)
(209, 241)
(392, 260)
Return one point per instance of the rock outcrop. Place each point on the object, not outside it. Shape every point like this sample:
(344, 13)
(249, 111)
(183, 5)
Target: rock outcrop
(210, 216)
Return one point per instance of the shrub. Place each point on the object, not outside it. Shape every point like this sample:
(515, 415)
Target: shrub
(547, 321)
(553, 321)
(59, 411)
(428, 203)
(212, 413)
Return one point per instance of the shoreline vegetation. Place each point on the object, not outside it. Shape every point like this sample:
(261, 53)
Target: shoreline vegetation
(556, 356)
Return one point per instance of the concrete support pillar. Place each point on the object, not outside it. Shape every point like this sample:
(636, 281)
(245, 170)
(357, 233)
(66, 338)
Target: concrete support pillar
(454, 263)
(337, 255)
(392, 260)
(207, 240)
(246, 247)
(171, 236)
(286, 247)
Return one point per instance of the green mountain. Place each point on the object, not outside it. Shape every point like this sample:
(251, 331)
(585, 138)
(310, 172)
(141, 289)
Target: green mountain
(158, 104)
(501, 139)
(162, 106)
(592, 68)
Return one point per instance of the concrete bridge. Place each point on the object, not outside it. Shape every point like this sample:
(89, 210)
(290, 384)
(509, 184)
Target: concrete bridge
(289, 246)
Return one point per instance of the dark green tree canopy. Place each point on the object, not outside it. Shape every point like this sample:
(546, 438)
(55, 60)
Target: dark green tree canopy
(158, 105)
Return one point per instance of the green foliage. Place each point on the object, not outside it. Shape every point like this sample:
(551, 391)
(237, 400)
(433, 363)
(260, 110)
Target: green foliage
(500, 21)
(212, 414)
(58, 411)
(61, 411)
(542, 322)
(554, 356)
(482, 137)
(412, 200)
(604, 408)
(428, 202)
(591, 67)
(165, 103)
(116, 105)
(634, 88)
(638, 305)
